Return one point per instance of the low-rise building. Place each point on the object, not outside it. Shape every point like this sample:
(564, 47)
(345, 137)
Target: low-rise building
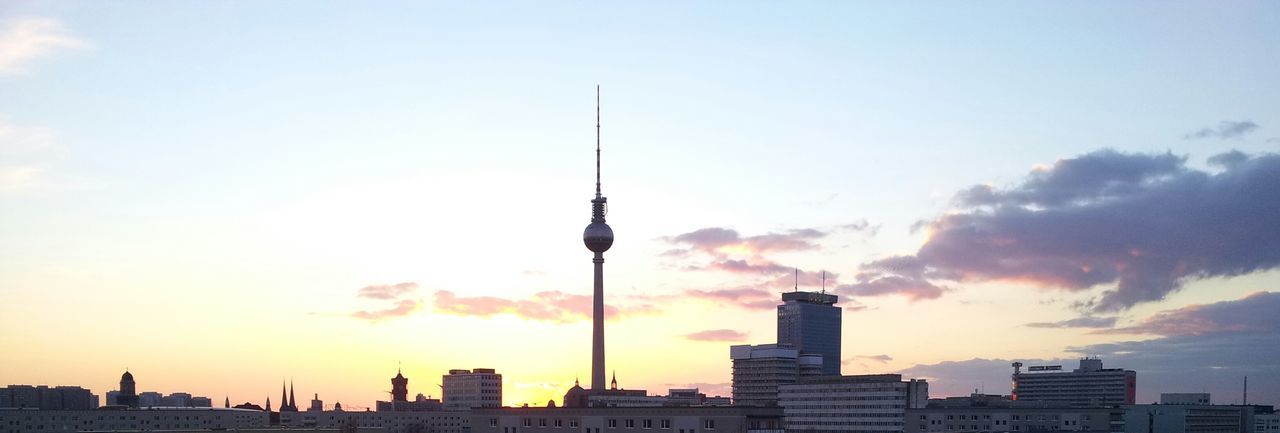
(29, 420)
(1180, 418)
(847, 404)
(1200, 398)
(759, 370)
(705, 419)
(392, 421)
(998, 414)
(467, 389)
(47, 398)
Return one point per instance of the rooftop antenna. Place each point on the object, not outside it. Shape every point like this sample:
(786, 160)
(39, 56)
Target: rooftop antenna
(1245, 399)
(824, 282)
(797, 280)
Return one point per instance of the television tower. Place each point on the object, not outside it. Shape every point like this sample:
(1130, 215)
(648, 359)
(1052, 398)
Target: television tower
(598, 237)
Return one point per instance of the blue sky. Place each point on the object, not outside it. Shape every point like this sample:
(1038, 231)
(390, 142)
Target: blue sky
(175, 160)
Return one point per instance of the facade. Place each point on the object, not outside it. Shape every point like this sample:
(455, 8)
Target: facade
(468, 389)
(1013, 418)
(392, 422)
(1266, 423)
(851, 404)
(759, 370)
(730, 419)
(810, 322)
(1179, 418)
(25, 420)
(1201, 398)
(44, 397)
(1089, 385)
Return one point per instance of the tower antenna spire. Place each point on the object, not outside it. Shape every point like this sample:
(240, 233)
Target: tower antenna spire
(824, 282)
(797, 287)
(597, 141)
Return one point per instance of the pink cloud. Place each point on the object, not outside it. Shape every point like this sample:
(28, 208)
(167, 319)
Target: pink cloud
(547, 306)
(402, 308)
(387, 291)
(717, 335)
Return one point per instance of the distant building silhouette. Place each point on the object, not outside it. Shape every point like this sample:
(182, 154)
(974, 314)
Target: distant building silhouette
(288, 404)
(47, 398)
(128, 395)
(400, 398)
(316, 404)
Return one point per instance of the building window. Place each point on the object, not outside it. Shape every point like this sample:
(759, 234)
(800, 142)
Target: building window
(666, 424)
(709, 424)
(493, 422)
(573, 422)
(613, 423)
(648, 423)
(542, 422)
(631, 423)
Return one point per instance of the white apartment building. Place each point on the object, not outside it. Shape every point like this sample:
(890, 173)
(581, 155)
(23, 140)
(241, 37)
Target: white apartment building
(851, 404)
(469, 389)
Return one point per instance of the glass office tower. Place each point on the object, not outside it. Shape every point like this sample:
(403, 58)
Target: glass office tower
(810, 322)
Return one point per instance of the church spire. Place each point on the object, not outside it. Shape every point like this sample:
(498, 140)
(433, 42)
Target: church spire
(292, 403)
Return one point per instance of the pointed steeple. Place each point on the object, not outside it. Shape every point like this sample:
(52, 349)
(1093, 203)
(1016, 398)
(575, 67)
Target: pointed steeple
(284, 395)
(226, 404)
(292, 403)
(613, 384)
(268, 404)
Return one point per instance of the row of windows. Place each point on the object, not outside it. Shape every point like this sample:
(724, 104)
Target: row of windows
(665, 424)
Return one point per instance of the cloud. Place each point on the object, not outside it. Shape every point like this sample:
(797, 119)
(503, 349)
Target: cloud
(722, 242)
(1206, 347)
(23, 40)
(21, 179)
(717, 335)
(1144, 223)
(1079, 322)
(402, 308)
(900, 275)
(746, 297)
(1226, 129)
(1255, 313)
(387, 291)
(876, 358)
(547, 306)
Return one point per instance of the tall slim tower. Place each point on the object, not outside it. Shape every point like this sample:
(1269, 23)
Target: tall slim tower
(598, 237)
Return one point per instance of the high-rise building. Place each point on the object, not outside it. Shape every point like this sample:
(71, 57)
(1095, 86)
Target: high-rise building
(810, 322)
(1089, 385)
(759, 370)
(469, 389)
(598, 237)
(851, 404)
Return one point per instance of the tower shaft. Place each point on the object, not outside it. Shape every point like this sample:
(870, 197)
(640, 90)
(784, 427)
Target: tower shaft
(597, 325)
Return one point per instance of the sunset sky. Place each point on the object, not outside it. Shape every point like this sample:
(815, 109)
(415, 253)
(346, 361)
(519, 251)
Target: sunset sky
(223, 195)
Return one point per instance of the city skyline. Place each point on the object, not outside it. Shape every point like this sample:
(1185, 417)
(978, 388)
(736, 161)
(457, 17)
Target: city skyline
(324, 194)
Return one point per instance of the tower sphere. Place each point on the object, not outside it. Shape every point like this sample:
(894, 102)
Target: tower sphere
(598, 237)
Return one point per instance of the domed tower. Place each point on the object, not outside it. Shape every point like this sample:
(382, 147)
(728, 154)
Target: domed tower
(598, 237)
(128, 390)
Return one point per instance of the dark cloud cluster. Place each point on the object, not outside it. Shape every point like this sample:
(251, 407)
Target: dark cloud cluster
(548, 306)
(1226, 129)
(1253, 314)
(1079, 322)
(1209, 347)
(1144, 223)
